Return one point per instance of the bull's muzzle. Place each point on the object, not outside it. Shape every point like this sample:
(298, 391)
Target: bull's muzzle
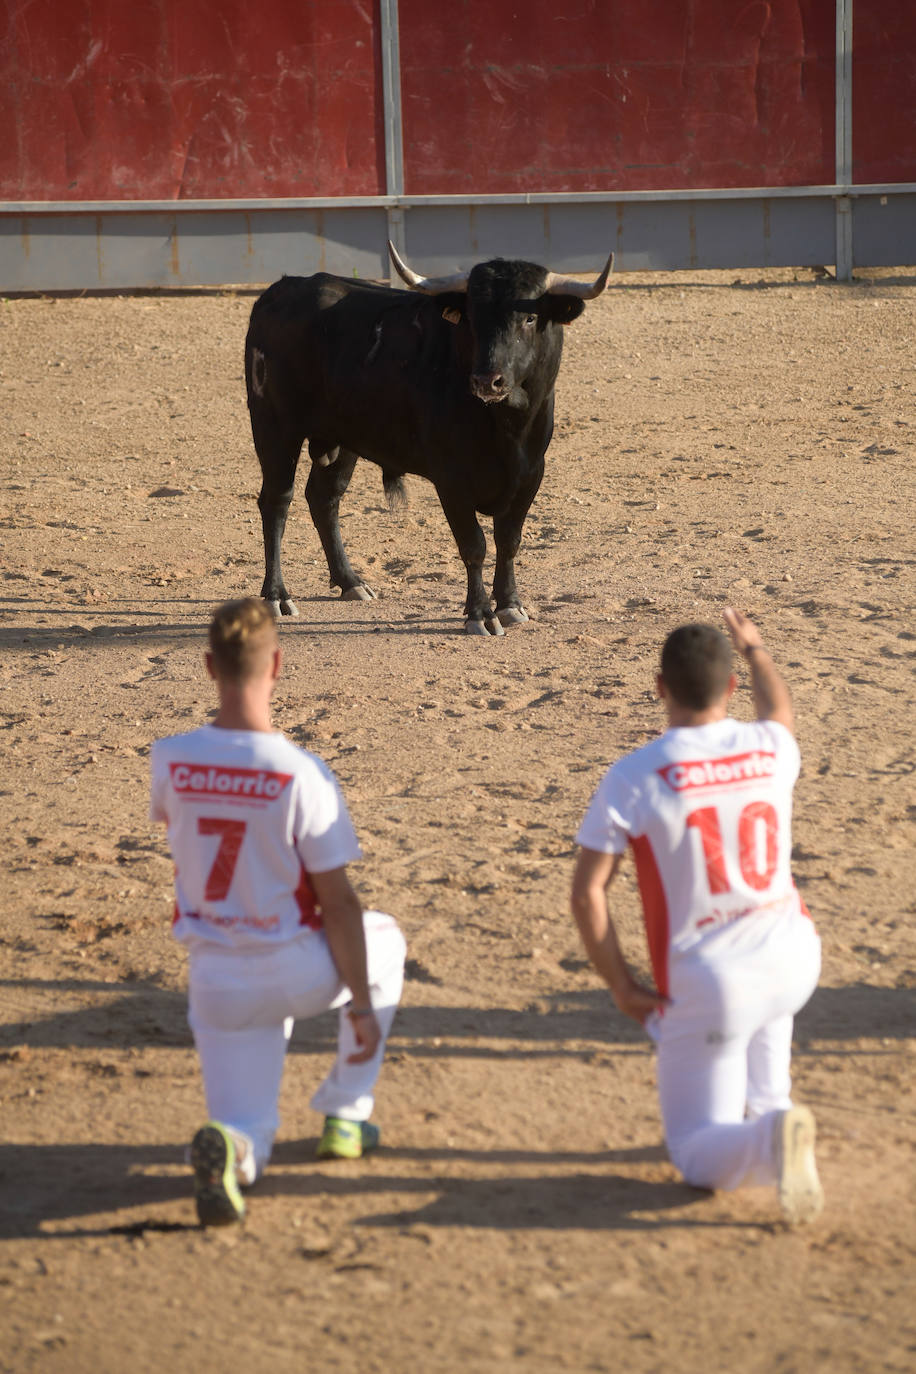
(489, 386)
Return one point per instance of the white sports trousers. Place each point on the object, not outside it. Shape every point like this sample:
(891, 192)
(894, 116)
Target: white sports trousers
(725, 1043)
(243, 1004)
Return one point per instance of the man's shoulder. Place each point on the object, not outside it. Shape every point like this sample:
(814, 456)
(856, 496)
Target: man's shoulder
(300, 758)
(313, 776)
(169, 744)
(767, 734)
(638, 760)
(630, 769)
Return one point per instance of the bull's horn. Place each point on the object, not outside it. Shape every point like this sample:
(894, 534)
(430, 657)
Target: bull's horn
(432, 286)
(559, 285)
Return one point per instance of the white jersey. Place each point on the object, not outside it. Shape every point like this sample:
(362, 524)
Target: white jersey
(250, 816)
(707, 811)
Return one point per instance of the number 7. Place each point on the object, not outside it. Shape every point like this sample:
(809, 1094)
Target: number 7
(231, 834)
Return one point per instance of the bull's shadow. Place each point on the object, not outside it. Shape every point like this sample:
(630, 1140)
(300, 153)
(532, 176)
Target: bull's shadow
(158, 634)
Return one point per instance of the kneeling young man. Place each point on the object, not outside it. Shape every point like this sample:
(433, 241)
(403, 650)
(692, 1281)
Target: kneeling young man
(706, 809)
(261, 837)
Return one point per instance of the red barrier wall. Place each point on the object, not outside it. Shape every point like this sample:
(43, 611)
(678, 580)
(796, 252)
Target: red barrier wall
(630, 95)
(884, 91)
(178, 99)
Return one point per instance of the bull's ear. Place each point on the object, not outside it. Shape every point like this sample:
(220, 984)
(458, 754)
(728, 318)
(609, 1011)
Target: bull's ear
(561, 309)
(451, 305)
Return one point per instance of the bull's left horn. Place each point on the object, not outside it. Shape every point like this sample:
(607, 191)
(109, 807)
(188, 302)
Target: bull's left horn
(559, 285)
(431, 286)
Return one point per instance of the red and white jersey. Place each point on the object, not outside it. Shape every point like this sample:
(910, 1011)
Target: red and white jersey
(707, 811)
(250, 815)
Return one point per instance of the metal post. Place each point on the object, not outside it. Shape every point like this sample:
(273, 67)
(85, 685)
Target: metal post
(843, 173)
(394, 125)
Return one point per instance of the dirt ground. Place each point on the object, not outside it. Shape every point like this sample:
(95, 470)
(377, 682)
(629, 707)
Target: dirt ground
(719, 439)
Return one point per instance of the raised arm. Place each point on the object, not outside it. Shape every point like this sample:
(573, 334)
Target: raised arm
(771, 695)
(343, 925)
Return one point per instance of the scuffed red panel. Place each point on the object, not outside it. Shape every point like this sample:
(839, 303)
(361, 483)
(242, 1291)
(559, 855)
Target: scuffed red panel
(507, 33)
(616, 95)
(160, 99)
(884, 92)
(176, 99)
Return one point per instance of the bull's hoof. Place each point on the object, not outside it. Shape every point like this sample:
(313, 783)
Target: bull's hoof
(358, 593)
(487, 627)
(512, 615)
(284, 607)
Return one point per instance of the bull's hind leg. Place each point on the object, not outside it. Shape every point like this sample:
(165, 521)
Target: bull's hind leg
(325, 487)
(278, 453)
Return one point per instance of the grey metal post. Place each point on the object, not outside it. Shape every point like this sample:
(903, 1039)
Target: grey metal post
(843, 172)
(394, 124)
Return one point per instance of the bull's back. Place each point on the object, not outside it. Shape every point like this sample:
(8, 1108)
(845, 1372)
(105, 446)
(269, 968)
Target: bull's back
(346, 361)
(296, 301)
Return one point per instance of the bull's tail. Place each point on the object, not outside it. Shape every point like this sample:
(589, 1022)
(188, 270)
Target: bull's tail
(395, 491)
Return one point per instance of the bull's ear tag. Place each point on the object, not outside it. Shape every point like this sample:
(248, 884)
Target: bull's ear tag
(452, 315)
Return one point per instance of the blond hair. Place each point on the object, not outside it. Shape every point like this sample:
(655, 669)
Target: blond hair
(242, 636)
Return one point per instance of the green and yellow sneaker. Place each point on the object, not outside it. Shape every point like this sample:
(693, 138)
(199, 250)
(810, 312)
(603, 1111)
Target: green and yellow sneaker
(216, 1189)
(342, 1139)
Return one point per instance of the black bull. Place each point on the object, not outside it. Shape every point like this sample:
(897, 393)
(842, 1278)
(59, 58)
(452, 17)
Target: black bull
(452, 381)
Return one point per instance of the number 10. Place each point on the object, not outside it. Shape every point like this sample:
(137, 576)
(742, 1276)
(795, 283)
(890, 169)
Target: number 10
(706, 820)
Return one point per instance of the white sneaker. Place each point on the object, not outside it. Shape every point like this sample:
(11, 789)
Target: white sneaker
(800, 1193)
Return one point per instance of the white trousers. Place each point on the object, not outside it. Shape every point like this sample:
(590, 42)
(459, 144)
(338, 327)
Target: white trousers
(725, 1044)
(243, 1005)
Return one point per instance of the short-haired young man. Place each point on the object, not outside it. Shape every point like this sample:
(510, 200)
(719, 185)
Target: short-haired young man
(261, 837)
(706, 809)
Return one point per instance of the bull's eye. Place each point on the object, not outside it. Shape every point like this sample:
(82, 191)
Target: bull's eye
(531, 320)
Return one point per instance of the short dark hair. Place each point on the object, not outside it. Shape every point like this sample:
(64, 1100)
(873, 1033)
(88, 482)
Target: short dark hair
(242, 635)
(696, 665)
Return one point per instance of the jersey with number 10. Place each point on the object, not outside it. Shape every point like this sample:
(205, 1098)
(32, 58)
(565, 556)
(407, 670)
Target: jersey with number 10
(250, 816)
(707, 811)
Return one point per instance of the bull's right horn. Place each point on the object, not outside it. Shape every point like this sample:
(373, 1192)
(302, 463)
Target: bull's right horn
(431, 286)
(559, 285)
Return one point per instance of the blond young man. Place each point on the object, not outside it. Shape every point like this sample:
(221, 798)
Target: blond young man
(706, 809)
(261, 840)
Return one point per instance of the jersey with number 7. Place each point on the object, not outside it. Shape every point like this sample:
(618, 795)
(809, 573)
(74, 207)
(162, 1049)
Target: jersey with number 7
(707, 811)
(250, 815)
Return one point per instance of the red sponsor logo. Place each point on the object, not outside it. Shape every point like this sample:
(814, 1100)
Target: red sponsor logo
(204, 780)
(728, 772)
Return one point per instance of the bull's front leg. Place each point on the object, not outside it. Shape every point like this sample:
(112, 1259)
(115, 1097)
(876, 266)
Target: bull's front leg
(472, 546)
(507, 535)
(323, 491)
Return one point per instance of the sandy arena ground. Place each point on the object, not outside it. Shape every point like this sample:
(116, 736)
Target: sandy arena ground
(719, 439)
